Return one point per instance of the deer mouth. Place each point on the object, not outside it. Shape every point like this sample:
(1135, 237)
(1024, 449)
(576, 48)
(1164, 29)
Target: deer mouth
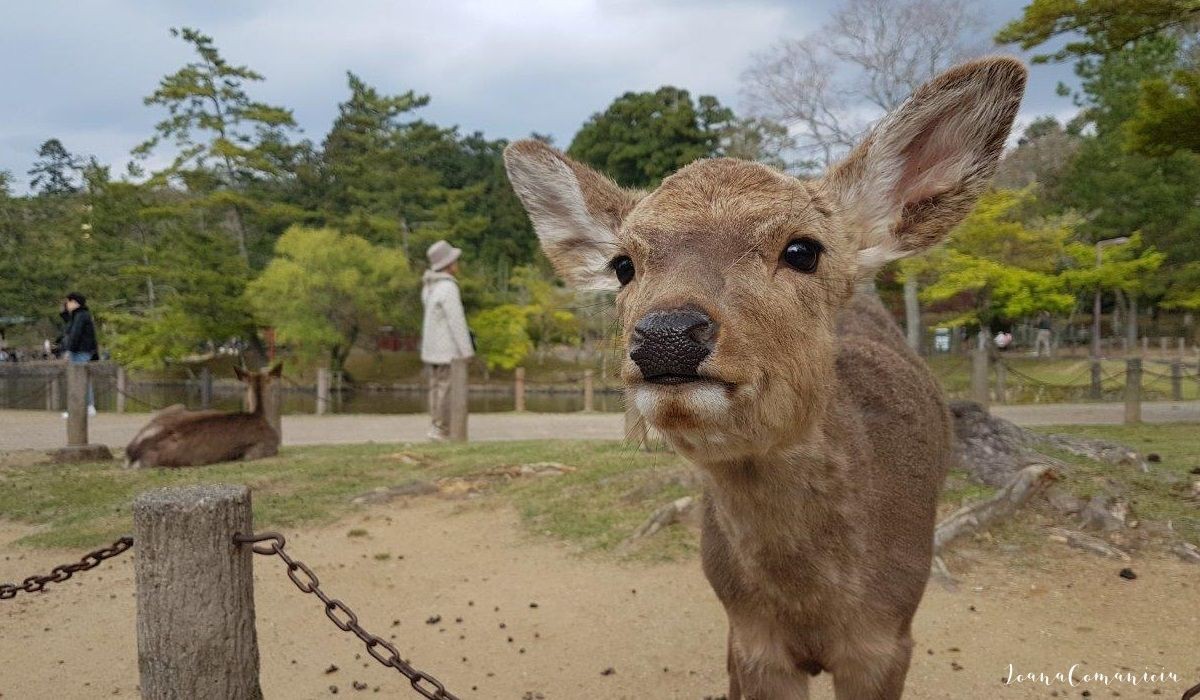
(674, 379)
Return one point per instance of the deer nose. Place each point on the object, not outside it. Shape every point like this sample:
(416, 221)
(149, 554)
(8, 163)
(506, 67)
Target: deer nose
(668, 346)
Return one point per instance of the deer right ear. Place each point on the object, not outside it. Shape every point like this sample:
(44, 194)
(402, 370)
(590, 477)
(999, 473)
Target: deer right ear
(575, 210)
(240, 373)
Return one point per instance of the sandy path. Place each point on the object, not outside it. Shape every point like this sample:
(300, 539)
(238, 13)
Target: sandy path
(40, 430)
(664, 641)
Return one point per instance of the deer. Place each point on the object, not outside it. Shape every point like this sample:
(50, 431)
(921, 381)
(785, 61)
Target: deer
(756, 345)
(177, 437)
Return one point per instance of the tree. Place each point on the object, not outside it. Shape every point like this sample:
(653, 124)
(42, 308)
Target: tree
(502, 335)
(644, 136)
(323, 289)
(57, 171)
(1043, 153)
(1124, 268)
(1098, 27)
(869, 57)
(1164, 107)
(1008, 269)
(760, 140)
(217, 128)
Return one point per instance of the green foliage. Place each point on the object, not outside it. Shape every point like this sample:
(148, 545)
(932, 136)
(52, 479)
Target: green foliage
(1095, 26)
(501, 333)
(644, 136)
(324, 288)
(1164, 106)
(1126, 266)
(1007, 268)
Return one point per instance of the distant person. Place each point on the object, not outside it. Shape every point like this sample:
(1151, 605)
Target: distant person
(1044, 335)
(79, 339)
(47, 349)
(444, 334)
(1003, 339)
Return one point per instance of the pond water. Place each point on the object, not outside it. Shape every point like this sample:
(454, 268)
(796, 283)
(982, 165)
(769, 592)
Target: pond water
(32, 393)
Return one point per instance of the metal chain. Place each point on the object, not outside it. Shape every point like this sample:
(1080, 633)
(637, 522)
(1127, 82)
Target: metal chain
(1192, 692)
(58, 574)
(343, 617)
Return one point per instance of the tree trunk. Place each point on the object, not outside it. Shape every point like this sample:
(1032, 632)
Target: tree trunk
(1131, 322)
(912, 312)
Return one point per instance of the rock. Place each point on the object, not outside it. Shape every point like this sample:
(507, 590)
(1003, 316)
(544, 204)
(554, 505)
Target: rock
(608, 671)
(1063, 502)
(1104, 513)
(1187, 552)
(1127, 574)
(386, 494)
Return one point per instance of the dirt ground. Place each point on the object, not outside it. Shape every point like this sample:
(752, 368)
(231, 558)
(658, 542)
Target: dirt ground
(657, 626)
(42, 430)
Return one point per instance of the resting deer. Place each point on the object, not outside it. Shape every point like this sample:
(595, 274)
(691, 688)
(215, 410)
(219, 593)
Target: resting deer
(821, 439)
(176, 437)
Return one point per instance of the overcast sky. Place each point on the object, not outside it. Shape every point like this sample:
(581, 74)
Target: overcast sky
(78, 71)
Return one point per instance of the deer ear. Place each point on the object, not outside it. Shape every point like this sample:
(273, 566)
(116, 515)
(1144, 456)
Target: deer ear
(276, 371)
(920, 170)
(240, 373)
(575, 210)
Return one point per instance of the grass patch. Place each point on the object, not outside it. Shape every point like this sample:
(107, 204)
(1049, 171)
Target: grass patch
(1159, 496)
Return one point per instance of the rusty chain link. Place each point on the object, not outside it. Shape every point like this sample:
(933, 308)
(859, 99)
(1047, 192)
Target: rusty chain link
(343, 617)
(58, 574)
(1191, 692)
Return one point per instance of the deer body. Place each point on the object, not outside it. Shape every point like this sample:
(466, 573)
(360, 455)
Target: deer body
(176, 437)
(822, 440)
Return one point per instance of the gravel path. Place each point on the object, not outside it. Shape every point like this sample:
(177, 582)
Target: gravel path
(45, 430)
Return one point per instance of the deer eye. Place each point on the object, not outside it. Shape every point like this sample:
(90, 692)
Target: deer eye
(622, 265)
(803, 254)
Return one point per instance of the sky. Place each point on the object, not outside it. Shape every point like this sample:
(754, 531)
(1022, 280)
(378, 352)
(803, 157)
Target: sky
(78, 71)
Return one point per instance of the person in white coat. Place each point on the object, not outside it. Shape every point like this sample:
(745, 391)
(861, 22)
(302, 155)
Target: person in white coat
(444, 334)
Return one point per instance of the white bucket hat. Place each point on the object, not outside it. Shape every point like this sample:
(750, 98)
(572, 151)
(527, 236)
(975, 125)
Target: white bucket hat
(441, 255)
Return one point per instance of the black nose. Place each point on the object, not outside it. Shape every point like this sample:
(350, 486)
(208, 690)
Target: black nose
(668, 346)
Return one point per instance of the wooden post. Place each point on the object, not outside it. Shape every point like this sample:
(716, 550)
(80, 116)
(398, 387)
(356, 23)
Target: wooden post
(589, 395)
(1097, 389)
(1182, 345)
(1162, 344)
(979, 373)
(1001, 383)
(1133, 391)
(635, 428)
(122, 388)
(77, 417)
(1124, 345)
(322, 391)
(273, 405)
(458, 400)
(1145, 344)
(519, 390)
(1177, 380)
(195, 594)
(53, 394)
(206, 387)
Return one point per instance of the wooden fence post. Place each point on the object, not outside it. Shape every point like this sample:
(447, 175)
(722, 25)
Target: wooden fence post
(1133, 391)
(1182, 345)
(635, 428)
(122, 388)
(195, 594)
(589, 394)
(77, 417)
(322, 391)
(458, 400)
(206, 387)
(519, 390)
(1145, 344)
(1001, 383)
(1097, 389)
(979, 373)
(53, 394)
(1162, 344)
(1177, 380)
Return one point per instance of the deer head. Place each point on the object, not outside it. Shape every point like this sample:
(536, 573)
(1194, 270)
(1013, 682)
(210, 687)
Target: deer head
(256, 382)
(731, 274)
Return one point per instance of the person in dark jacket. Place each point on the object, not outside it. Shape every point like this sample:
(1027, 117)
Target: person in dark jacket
(79, 338)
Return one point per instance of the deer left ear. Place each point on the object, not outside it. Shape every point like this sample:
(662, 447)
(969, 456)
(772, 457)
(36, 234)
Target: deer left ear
(276, 371)
(240, 373)
(923, 166)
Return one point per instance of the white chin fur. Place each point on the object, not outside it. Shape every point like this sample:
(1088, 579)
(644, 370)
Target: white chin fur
(706, 403)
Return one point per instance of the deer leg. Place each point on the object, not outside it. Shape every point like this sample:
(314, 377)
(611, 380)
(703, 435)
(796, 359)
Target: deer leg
(260, 450)
(735, 689)
(874, 674)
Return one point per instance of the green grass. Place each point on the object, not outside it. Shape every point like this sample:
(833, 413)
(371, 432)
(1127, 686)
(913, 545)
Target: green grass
(612, 490)
(1159, 496)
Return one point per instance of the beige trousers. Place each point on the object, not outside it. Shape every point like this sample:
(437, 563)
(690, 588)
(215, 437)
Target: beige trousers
(439, 398)
(1042, 341)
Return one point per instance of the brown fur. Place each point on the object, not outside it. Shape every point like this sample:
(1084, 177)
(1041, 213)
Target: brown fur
(822, 440)
(176, 437)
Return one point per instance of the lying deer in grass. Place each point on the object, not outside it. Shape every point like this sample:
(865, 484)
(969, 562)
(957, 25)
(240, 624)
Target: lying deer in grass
(176, 437)
(821, 439)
